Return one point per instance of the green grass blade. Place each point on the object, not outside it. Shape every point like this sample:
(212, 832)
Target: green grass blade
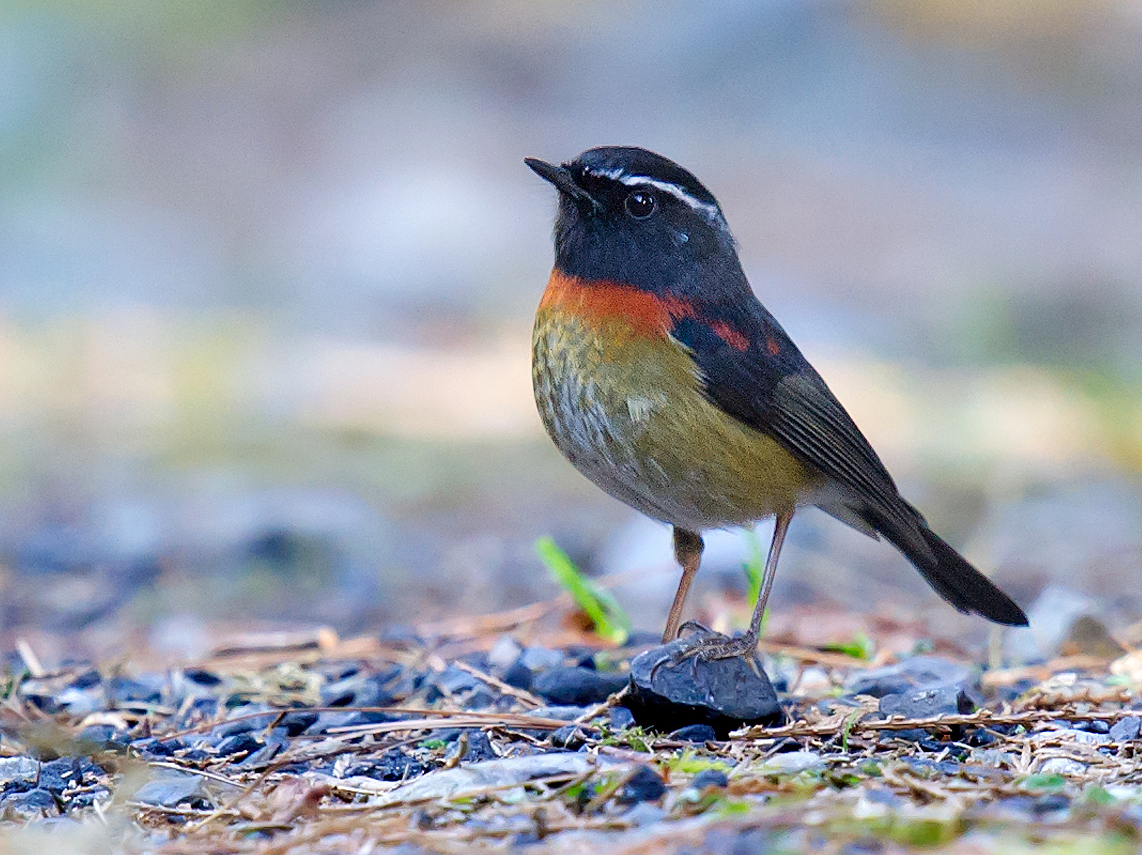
(606, 615)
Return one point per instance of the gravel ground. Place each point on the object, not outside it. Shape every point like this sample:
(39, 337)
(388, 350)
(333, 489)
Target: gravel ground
(486, 738)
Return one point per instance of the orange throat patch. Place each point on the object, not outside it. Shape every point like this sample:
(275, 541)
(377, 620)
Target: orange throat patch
(597, 301)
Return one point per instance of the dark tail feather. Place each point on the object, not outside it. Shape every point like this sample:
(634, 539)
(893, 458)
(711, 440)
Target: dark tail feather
(961, 584)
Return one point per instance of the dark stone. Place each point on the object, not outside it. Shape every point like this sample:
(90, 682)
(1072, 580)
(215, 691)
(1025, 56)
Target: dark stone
(124, 691)
(243, 725)
(296, 722)
(948, 699)
(479, 747)
(239, 743)
(710, 778)
(916, 672)
(695, 733)
(28, 805)
(620, 718)
(172, 788)
(1126, 729)
(201, 676)
(153, 747)
(274, 745)
(394, 765)
(88, 797)
(87, 679)
(645, 785)
(667, 694)
(518, 676)
(57, 775)
(358, 691)
(571, 736)
(1097, 726)
(450, 681)
(105, 736)
(357, 719)
(577, 686)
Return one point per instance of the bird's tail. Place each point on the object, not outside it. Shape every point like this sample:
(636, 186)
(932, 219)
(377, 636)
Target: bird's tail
(952, 576)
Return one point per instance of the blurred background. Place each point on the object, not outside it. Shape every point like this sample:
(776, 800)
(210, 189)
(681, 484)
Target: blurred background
(267, 272)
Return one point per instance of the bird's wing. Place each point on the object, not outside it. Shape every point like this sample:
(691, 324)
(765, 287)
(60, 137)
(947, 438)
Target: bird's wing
(753, 371)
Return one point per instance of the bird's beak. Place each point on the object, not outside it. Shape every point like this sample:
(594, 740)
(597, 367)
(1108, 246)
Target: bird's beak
(561, 177)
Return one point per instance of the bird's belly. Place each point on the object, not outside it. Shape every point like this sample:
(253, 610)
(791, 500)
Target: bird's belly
(628, 412)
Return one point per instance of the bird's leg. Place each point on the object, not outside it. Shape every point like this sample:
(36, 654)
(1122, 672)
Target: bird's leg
(688, 552)
(721, 647)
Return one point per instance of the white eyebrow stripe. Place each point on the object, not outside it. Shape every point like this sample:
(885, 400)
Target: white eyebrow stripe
(707, 210)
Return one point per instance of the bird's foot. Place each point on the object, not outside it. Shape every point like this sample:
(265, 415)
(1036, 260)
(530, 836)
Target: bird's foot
(709, 645)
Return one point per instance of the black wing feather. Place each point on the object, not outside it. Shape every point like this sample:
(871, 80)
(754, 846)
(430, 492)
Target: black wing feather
(771, 387)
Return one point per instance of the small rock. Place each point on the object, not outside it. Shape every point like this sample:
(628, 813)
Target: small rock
(645, 785)
(724, 693)
(792, 762)
(695, 733)
(29, 805)
(297, 722)
(519, 676)
(171, 789)
(103, 736)
(478, 777)
(450, 681)
(504, 654)
(915, 672)
(570, 736)
(540, 658)
(1126, 729)
(1063, 766)
(948, 699)
(710, 778)
(619, 718)
(360, 691)
(239, 743)
(577, 685)
(18, 769)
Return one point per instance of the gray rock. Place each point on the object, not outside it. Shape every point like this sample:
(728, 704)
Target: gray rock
(28, 805)
(1063, 766)
(913, 673)
(645, 785)
(18, 769)
(477, 777)
(667, 694)
(170, 788)
(1126, 729)
(710, 778)
(950, 699)
(792, 762)
(579, 686)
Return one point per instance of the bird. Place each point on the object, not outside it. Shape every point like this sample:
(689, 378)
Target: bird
(662, 378)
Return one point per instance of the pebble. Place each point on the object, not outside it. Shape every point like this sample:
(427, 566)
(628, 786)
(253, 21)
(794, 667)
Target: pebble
(1063, 766)
(28, 805)
(620, 718)
(171, 788)
(915, 672)
(577, 685)
(645, 785)
(946, 699)
(695, 733)
(710, 778)
(1125, 729)
(724, 693)
(792, 762)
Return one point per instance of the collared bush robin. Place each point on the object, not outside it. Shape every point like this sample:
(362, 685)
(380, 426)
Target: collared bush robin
(664, 380)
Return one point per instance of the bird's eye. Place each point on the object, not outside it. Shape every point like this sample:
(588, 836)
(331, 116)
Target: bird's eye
(640, 204)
